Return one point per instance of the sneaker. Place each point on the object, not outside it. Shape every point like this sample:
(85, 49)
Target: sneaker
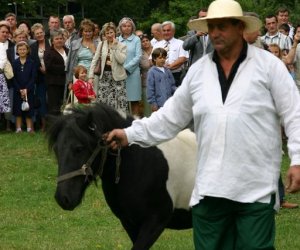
(30, 130)
(18, 130)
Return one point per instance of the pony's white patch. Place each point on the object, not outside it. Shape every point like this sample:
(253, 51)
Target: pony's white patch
(181, 154)
(122, 113)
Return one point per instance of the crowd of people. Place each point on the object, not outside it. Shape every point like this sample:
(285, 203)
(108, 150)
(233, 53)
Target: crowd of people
(125, 56)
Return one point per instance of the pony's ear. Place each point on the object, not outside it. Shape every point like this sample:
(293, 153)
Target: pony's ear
(87, 121)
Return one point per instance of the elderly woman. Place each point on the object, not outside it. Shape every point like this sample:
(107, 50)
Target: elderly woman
(83, 49)
(55, 59)
(5, 103)
(37, 54)
(110, 84)
(19, 35)
(132, 63)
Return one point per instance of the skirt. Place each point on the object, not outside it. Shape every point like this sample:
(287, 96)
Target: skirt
(5, 106)
(112, 93)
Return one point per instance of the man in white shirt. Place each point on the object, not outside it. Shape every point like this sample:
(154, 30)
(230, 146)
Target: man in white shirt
(156, 32)
(237, 122)
(177, 56)
(273, 35)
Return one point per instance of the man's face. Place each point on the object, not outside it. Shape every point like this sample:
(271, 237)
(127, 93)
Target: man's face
(168, 32)
(12, 21)
(224, 34)
(202, 14)
(283, 17)
(156, 33)
(53, 23)
(69, 24)
(251, 37)
(271, 25)
(4, 33)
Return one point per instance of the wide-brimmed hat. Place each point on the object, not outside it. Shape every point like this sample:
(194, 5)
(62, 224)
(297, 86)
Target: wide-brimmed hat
(225, 9)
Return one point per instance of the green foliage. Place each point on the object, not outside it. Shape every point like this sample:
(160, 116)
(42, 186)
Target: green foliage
(144, 13)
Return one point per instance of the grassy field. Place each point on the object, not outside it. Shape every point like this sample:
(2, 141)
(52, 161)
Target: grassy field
(31, 219)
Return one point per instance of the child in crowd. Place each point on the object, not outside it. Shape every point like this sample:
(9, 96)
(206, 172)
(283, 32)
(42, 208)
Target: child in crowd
(83, 90)
(276, 51)
(25, 72)
(160, 81)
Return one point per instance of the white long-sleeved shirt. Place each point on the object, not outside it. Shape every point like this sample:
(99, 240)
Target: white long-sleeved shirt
(239, 142)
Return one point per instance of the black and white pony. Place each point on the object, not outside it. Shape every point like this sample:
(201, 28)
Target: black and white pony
(148, 189)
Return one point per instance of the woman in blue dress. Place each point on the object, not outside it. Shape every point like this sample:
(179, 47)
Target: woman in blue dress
(82, 50)
(132, 63)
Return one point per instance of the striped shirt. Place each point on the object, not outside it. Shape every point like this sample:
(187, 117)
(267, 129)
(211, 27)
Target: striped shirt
(283, 41)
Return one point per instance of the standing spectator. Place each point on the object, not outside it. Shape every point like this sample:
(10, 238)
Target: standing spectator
(139, 33)
(18, 36)
(24, 81)
(5, 103)
(110, 84)
(177, 56)
(83, 90)
(145, 66)
(53, 24)
(253, 37)
(273, 35)
(283, 17)
(132, 63)
(96, 36)
(25, 26)
(238, 98)
(37, 54)
(82, 50)
(156, 32)
(197, 43)
(55, 59)
(160, 81)
(69, 25)
(11, 18)
(293, 57)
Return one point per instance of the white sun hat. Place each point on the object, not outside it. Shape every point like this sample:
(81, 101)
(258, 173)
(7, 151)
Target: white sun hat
(225, 9)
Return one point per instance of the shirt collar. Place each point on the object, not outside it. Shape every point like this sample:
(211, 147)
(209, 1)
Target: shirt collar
(242, 56)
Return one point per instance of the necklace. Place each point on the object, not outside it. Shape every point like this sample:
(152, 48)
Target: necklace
(86, 45)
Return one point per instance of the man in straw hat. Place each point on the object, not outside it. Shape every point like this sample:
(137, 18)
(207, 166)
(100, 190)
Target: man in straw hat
(237, 102)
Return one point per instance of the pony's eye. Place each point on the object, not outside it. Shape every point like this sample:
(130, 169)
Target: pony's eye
(78, 148)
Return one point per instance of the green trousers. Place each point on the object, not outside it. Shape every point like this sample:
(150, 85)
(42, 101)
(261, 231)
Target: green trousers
(222, 224)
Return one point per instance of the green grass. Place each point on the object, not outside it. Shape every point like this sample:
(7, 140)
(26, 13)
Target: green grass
(31, 219)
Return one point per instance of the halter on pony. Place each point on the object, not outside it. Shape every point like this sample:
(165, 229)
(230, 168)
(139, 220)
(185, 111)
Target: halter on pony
(86, 169)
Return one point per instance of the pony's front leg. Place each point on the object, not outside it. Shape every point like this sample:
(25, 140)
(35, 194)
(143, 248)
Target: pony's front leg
(150, 232)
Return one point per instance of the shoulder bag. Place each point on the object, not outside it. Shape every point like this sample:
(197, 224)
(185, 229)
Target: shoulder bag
(97, 70)
(8, 70)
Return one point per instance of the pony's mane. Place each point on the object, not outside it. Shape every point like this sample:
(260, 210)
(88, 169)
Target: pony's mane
(83, 121)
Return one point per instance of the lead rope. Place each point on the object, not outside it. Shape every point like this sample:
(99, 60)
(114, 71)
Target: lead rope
(118, 163)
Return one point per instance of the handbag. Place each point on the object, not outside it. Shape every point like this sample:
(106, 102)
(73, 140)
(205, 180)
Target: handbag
(97, 70)
(8, 70)
(68, 105)
(25, 105)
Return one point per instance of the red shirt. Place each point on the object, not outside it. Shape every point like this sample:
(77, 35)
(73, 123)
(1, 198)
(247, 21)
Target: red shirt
(82, 90)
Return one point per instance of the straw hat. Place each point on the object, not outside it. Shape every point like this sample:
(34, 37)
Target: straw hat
(225, 9)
